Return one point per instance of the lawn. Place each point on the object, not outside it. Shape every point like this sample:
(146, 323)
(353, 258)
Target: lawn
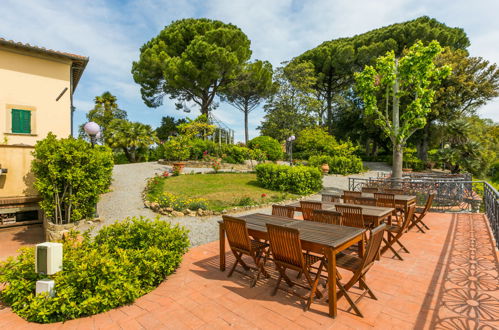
(221, 190)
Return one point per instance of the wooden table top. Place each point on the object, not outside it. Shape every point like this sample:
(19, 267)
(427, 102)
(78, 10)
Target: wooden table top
(314, 232)
(398, 198)
(368, 210)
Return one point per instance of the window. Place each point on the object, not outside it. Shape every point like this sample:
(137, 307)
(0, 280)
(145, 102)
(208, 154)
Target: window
(21, 121)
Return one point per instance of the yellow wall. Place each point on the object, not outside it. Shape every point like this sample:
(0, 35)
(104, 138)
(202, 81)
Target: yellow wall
(30, 82)
(34, 83)
(19, 180)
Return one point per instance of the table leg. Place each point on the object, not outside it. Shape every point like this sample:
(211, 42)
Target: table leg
(222, 246)
(331, 281)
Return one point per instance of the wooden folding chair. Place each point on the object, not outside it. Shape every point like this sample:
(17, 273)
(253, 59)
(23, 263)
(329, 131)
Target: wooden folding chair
(387, 200)
(325, 216)
(395, 232)
(350, 196)
(365, 201)
(359, 267)
(287, 252)
(283, 211)
(370, 189)
(351, 215)
(330, 198)
(418, 217)
(308, 207)
(240, 243)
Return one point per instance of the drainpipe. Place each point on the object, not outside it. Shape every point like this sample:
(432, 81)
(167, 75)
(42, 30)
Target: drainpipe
(72, 108)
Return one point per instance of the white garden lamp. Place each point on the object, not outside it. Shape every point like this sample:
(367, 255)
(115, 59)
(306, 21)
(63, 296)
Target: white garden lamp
(93, 130)
(290, 141)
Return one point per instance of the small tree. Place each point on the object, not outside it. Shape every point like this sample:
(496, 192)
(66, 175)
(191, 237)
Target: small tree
(409, 81)
(70, 176)
(132, 137)
(249, 88)
(168, 127)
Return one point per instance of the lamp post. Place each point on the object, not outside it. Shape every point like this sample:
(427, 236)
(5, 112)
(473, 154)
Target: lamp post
(93, 130)
(290, 141)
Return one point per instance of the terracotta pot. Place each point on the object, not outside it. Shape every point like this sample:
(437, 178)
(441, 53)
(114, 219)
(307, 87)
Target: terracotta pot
(178, 167)
(407, 170)
(325, 168)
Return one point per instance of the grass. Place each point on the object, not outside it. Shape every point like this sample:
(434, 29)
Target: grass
(221, 190)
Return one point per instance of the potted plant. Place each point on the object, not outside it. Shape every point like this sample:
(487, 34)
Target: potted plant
(325, 168)
(177, 149)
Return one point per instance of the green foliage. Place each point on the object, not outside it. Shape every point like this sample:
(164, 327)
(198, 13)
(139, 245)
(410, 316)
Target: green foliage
(104, 112)
(176, 148)
(235, 154)
(133, 138)
(70, 176)
(292, 107)
(494, 172)
(338, 164)
(297, 179)
(267, 144)
(314, 141)
(252, 85)
(178, 203)
(169, 127)
(124, 261)
(197, 128)
(190, 60)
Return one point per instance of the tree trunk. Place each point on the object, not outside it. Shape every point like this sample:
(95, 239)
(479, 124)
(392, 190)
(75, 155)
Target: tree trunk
(397, 161)
(424, 143)
(246, 135)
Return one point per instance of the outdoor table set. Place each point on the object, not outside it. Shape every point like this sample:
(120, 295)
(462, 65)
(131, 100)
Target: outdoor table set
(318, 239)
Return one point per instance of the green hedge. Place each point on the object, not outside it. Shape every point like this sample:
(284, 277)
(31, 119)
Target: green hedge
(297, 179)
(338, 164)
(123, 262)
(269, 145)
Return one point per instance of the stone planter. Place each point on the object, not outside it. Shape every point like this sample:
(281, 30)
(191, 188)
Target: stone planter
(325, 168)
(178, 167)
(55, 232)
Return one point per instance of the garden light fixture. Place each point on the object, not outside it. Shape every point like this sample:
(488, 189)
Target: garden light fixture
(290, 143)
(93, 130)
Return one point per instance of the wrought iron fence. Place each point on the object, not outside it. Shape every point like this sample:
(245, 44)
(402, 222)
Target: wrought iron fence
(451, 195)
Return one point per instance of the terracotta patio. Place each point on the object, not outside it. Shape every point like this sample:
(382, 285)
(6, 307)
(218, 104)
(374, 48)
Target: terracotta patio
(448, 281)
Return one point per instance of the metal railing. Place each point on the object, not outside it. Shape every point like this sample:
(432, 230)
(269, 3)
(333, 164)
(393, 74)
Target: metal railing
(451, 194)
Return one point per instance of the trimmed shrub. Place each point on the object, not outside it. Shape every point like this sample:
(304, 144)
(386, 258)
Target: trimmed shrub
(234, 154)
(123, 262)
(270, 146)
(70, 175)
(315, 141)
(297, 179)
(338, 164)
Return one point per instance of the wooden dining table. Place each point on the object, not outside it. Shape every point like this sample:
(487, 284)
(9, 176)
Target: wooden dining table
(402, 201)
(372, 214)
(321, 238)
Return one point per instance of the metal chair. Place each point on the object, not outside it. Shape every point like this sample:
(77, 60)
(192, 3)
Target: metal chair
(325, 216)
(240, 243)
(308, 207)
(287, 253)
(283, 211)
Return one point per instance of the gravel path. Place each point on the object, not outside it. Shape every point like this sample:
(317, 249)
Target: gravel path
(125, 198)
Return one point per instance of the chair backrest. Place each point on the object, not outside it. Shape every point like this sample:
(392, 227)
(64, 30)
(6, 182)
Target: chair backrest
(408, 217)
(372, 248)
(351, 215)
(330, 198)
(308, 207)
(385, 200)
(429, 202)
(285, 245)
(394, 191)
(365, 201)
(237, 233)
(283, 211)
(350, 196)
(326, 216)
(370, 189)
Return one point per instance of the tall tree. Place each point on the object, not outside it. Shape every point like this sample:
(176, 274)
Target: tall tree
(105, 110)
(168, 127)
(293, 107)
(251, 86)
(190, 60)
(336, 61)
(410, 80)
(132, 137)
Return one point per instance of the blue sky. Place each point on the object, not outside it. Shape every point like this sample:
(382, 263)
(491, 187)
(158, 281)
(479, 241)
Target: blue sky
(111, 33)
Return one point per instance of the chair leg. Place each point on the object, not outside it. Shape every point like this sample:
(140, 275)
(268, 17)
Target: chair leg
(388, 245)
(350, 301)
(401, 245)
(427, 228)
(368, 289)
(278, 283)
(233, 267)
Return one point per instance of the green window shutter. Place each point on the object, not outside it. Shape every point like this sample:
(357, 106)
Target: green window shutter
(21, 121)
